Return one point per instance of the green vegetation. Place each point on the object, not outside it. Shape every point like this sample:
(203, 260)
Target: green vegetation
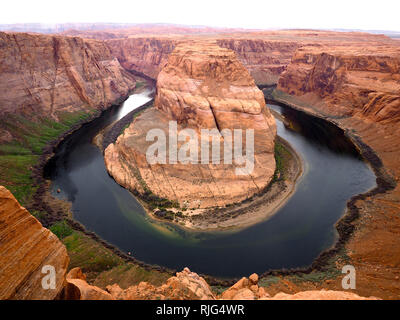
(268, 281)
(331, 271)
(282, 157)
(88, 254)
(102, 266)
(38, 214)
(124, 127)
(61, 229)
(18, 157)
(218, 289)
(140, 84)
(130, 274)
(17, 160)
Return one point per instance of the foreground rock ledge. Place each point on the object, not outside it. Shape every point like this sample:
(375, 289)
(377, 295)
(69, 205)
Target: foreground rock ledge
(25, 248)
(203, 86)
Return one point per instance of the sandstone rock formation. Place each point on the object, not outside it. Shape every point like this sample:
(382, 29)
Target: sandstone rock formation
(25, 248)
(186, 285)
(245, 289)
(348, 80)
(264, 59)
(320, 295)
(43, 75)
(265, 54)
(145, 55)
(203, 86)
(76, 288)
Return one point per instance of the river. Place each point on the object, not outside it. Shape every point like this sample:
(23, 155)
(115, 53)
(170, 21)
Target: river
(293, 237)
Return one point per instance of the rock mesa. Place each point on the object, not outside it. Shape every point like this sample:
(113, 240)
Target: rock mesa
(203, 86)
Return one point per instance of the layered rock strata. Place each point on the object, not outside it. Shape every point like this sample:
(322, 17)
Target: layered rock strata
(265, 54)
(26, 251)
(203, 86)
(43, 75)
(347, 81)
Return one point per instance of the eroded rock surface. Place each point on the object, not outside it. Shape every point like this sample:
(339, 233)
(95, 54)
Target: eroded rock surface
(203, 86)
(265, 54)
(44, 75)
(186, 285)
(347, 80)
(76, 288)
(25, 248)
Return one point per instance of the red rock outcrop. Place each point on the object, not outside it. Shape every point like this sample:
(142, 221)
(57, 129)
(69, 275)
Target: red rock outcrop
(43, 75)
(203, 86)
(25, 248)
(265, 59)
(146, 55)
(265, 54)
(76, 288)
(187, 285)
(348, 80)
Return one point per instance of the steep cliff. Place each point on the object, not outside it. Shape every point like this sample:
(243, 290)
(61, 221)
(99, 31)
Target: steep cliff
(348, 80)
(264, 54)
(25, 248)
(265, 59)
(203, 86)
(146, 55)
(358, 88)
(48, 76)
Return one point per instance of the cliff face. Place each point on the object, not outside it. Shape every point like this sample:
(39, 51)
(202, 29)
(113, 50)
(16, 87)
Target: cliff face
(348, 80)
(144, 55)
(264, 59)
(203, 86)
(44, 75)
(358, 88)
(264, 54)
(25, 248)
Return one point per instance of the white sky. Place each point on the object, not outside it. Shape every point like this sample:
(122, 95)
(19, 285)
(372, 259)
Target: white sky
(350, 14)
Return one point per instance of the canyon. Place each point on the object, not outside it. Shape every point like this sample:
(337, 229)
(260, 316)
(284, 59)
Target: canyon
(350, 79)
